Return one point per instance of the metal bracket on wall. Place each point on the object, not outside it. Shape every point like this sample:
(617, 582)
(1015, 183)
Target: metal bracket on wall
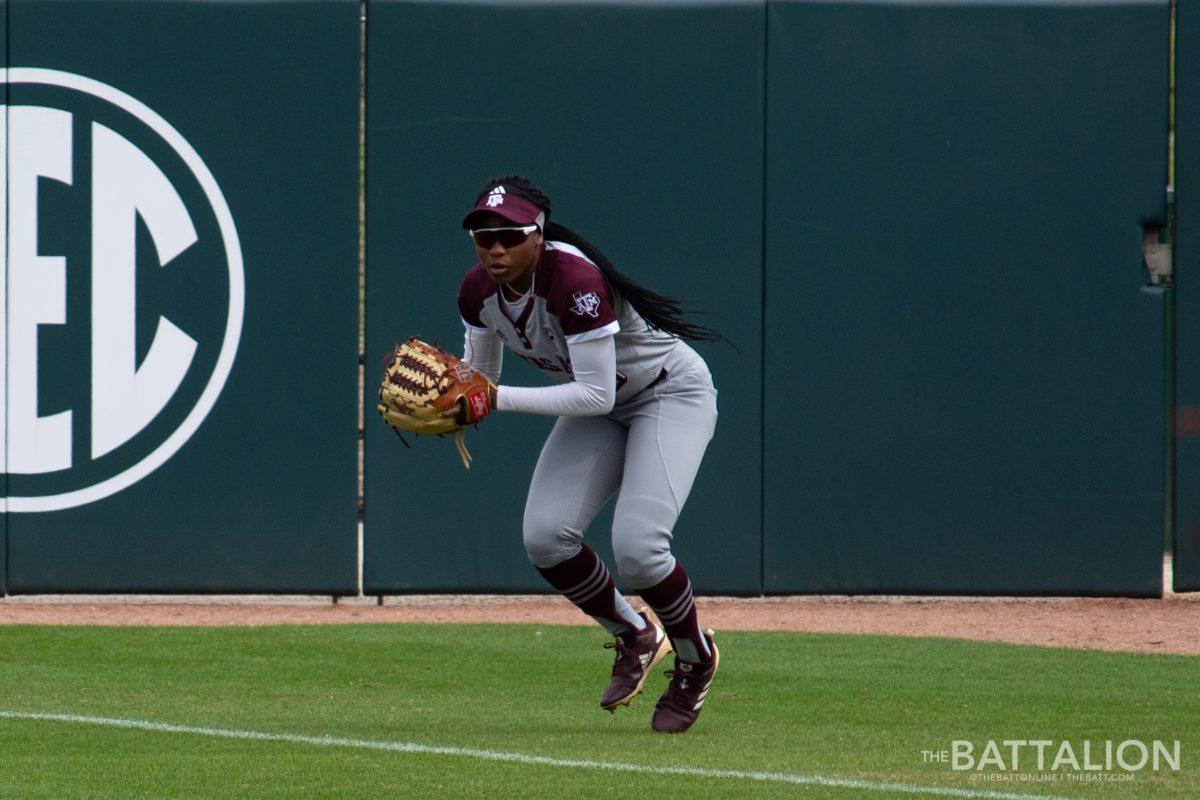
(1156, 254)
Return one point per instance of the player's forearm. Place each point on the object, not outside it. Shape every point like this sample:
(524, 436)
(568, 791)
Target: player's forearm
(592, 393)
(567, 400)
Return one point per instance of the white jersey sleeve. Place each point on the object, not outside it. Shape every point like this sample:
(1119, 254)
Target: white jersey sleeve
(592, 393)
(483, 350)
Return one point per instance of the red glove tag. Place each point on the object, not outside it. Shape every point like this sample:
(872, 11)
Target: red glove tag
(478, 405)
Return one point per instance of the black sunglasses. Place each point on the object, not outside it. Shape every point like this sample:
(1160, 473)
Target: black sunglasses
(507, 237)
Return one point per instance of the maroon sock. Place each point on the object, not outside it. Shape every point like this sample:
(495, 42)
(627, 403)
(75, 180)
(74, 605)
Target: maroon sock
(671, 599)
(585, 581)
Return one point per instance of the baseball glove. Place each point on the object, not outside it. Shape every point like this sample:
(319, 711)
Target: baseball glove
(427, 390)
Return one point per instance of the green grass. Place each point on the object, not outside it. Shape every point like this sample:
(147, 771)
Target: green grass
(837, 706)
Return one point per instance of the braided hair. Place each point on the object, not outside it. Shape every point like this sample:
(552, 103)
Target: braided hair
(660, 312)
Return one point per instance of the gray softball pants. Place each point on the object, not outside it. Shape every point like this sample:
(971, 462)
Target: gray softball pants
(649, 448)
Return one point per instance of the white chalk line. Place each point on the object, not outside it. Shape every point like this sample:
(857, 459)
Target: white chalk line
(525, 758)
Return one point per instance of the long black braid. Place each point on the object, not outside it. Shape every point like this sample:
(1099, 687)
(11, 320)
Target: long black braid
(660, 312)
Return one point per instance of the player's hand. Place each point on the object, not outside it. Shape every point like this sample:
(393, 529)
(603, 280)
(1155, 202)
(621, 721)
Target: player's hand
(459, 412)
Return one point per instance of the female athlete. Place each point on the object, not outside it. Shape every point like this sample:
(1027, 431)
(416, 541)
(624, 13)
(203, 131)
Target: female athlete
(636, 408)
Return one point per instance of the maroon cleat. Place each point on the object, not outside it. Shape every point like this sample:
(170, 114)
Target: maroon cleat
(637, 654)
(680, 704)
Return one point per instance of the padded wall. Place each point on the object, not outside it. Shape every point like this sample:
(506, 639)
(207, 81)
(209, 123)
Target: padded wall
(188, 226)
(643, 123)
(954, 279)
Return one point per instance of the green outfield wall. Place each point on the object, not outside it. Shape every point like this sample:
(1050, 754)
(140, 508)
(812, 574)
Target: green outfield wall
(919, 223)
(643, 122)
(1187, 300)
(954, 285)
(181, 286)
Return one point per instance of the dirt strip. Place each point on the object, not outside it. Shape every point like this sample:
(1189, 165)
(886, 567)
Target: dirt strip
(1168, 625)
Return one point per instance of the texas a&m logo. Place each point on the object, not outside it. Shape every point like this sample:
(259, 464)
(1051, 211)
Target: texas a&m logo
(121, 290)
(586, 303)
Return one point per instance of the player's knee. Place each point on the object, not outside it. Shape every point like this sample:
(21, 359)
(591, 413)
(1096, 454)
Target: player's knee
(547, 540)
(642, 554)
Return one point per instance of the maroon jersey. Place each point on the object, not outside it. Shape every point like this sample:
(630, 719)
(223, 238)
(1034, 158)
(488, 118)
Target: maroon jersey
(571, 302)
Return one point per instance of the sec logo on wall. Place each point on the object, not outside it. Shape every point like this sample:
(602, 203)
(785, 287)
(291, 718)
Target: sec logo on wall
(123, 290)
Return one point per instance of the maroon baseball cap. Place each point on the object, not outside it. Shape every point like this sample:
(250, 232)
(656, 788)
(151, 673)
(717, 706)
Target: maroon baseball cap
(512, 207)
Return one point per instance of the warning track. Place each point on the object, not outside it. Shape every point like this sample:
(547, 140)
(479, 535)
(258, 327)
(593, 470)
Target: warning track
(1163, 625)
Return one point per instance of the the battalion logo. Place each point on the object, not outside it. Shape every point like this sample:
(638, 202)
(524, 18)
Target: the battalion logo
(496, 197)
(125, 290)
(586, 304)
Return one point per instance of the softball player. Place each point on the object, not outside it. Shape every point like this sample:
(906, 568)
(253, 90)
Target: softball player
(636, 408)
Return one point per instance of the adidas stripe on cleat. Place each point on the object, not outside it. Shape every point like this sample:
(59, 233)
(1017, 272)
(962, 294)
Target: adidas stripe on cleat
(637, 654)
(683, 700)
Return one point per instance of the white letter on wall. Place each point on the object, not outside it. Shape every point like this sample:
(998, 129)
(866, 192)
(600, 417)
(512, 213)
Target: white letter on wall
(39, 142)
(126, 184)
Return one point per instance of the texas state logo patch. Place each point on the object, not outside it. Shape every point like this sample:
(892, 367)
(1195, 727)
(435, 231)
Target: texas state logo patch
(586, 304)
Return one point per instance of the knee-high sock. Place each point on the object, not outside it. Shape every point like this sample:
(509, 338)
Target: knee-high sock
(671, 599)
(585, 581)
